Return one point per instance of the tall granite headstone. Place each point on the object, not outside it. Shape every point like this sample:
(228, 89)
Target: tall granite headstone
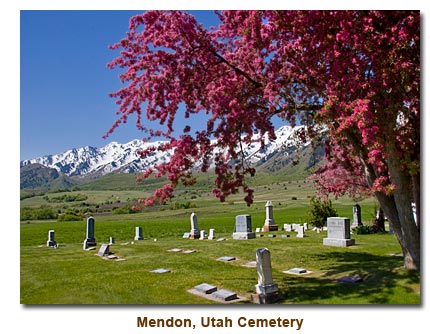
(356, 214)
(195, 231)
(338, 232)
(243, 228)
(90, 240)
(269, 223)
(267, 291)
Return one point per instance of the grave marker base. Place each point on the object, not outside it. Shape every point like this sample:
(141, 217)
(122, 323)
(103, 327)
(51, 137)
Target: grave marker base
(259, 298)
(338, 242)
(269, 228)
(243, 235)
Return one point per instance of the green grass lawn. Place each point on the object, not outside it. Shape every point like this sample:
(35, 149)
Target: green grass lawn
(70, 275)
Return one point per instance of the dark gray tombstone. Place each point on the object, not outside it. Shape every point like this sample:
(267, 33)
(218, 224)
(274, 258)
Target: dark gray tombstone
(224, 295)
(90, 239)
(206, 288)
(51, 239)
(356, 214)
(338, 232)
(243, 228)
(138, 233)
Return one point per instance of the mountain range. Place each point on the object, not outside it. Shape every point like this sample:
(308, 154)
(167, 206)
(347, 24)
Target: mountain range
(91, 162)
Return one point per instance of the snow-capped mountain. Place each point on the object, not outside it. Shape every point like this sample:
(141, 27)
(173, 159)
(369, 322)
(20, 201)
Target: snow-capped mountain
(122, 158)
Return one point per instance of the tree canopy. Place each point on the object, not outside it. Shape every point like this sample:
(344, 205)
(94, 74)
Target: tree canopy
(350, 76)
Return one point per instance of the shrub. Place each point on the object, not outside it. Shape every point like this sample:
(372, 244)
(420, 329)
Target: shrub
(320, 211)
(126, 209)
(363, 229)
(70, 215)
(41, 213)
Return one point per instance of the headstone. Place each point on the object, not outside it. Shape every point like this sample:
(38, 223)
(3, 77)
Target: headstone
(224, 295)
(267, 291)
(104, 250)
(51, 239)
(390, 228)
(251, 264)
(356, 213)
(226, 258)
(211, 234)
(175, 250)
(206, 288)
(89, 239)
(195, 231)
(296, 271)
(243, 228)
(287, 227)
(338, 232)
(138, 233)
(202, 234)
(160, 271)
(111, 240)
(285, 236)
(414, 211)
(257, 230)
(186, 235)
(189, 251)
(350, 279)
(269, 223)
(305, 225)
(301, 232)
(295, 227)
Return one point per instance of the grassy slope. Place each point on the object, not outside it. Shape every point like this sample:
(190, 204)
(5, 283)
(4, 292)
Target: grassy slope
(69, 275)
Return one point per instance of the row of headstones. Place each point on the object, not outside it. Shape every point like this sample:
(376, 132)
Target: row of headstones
(90, 240)
(243, 228)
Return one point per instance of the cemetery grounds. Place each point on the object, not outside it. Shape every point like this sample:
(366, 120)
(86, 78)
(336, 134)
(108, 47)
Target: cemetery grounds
(70, 275)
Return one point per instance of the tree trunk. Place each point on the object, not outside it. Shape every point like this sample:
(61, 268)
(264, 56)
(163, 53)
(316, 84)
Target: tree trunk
(408, 232)
(398, 209)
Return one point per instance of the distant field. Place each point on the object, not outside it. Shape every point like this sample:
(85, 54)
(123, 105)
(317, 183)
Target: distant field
(70, 275)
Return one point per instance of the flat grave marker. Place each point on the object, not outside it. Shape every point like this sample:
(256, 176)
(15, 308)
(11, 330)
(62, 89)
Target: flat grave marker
(350, 279)
(224, 295)
(296, 271)
(160, 271)
(206, 288)
(226, 258)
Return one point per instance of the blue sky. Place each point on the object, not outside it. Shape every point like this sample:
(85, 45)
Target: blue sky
(65, 83)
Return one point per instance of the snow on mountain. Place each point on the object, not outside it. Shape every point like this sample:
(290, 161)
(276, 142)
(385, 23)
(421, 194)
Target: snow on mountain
(122, 158)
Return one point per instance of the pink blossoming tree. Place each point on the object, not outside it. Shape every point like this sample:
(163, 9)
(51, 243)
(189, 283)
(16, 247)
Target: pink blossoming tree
(354, 74)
